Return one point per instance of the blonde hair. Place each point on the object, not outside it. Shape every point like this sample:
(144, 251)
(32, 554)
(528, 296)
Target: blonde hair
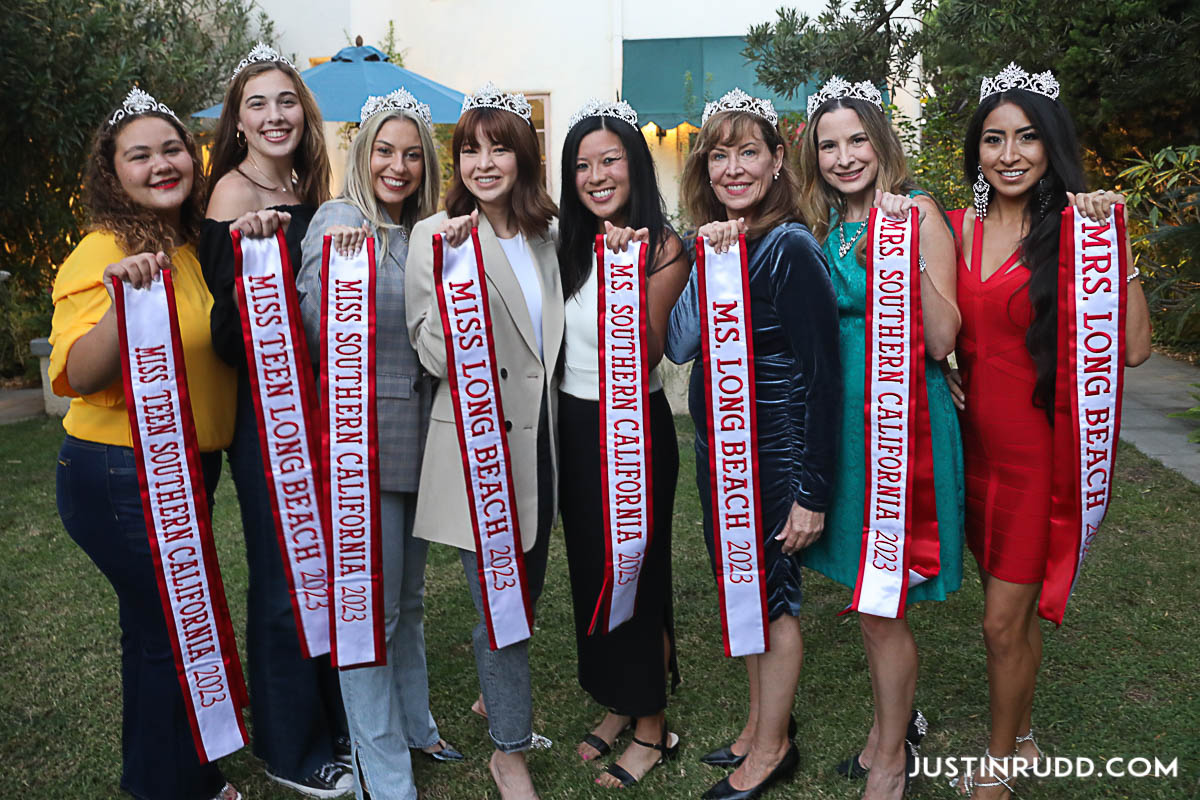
(359, 191)
(778, 204)
(818, 198)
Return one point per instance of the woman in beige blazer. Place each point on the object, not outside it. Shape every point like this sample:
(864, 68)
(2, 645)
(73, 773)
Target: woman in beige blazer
(497, 186)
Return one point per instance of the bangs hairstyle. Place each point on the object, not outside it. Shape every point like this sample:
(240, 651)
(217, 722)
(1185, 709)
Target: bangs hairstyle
(728, 128)
(1043, 215)
(577, 226)
(110, 208)
(531, 206)
(310, 161)
(818, 197)
(360, 189)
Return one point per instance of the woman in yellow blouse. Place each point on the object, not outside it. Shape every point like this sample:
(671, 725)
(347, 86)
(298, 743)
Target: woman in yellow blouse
(143, 190)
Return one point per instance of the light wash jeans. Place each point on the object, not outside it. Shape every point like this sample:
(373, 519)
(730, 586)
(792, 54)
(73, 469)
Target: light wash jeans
(388, 706)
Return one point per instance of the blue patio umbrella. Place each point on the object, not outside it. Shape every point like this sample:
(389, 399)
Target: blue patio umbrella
(342, 84)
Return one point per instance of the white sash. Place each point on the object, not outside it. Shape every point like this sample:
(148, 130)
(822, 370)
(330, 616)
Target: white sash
(625, 472)
(458, 274)
(175, 505)
(351, 455)
(280, 380)
(728, 351)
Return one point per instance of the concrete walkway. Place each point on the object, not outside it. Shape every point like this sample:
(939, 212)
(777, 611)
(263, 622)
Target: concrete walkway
(1157, 388)
(20, 404)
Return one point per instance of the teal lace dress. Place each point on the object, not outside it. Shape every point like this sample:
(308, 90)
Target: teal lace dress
(836, 553)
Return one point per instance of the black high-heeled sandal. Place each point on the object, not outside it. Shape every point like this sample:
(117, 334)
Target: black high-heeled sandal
(918, 726)
(668, 752)
(725, 757)
(724, 789)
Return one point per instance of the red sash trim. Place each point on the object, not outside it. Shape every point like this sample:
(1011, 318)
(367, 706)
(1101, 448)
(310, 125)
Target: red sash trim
(263, 277)
(471, 370)
(177, 517)
(626, 471)
(350, 448)
(1092, 296)
(727, 351)
(900, 546)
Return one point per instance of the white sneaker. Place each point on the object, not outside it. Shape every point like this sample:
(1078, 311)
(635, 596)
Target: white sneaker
(331, 780)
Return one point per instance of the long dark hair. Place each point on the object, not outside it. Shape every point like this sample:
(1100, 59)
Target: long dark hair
(577, 226)
(532, 208)
(311, 161)
(110, 208)
(1039, 248)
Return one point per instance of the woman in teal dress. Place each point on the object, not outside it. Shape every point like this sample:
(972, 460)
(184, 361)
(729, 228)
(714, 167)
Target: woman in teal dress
(851, 160)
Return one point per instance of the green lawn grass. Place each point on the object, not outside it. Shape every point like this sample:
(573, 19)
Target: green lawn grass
(1118, 679)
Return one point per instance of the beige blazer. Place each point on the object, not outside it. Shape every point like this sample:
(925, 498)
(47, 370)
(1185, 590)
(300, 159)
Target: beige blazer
(526, 381)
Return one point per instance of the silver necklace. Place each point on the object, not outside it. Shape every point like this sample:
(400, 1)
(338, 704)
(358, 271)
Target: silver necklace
(844, 246)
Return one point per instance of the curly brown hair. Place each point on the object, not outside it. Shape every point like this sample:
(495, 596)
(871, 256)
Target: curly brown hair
(310, 162)
(110, 208)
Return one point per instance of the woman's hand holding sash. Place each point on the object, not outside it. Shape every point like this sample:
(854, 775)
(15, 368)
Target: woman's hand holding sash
(625, 452)
(1087, 395)
(281, 383)
(727, 349)
(461, 283)
(350, 447)
(900, 534)
(175, 505)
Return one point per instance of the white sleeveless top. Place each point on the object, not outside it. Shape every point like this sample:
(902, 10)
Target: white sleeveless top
(581, 377)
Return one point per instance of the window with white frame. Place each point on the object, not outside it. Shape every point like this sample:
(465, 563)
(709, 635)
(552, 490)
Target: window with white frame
(540, 102)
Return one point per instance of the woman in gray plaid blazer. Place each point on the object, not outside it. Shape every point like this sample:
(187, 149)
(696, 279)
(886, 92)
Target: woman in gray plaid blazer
(391, 182)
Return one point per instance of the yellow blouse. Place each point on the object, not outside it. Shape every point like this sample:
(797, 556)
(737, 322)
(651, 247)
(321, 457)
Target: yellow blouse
(80, 300)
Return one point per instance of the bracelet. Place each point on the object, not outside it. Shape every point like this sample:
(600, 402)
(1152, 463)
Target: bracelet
(921, 261)
(1132, 275)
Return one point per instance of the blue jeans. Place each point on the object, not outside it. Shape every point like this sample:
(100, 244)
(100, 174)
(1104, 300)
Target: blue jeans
(388, 706)
(100, 503)
(295, 703)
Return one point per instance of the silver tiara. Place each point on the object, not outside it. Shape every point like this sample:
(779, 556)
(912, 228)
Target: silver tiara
(399, 100)
(594, 108)
(139, 101)
(260, 52)
(838, 87)
(1013, 77)
(491, 97)
(737, 100)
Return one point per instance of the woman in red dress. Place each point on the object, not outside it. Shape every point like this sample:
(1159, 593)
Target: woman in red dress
(1023, 156)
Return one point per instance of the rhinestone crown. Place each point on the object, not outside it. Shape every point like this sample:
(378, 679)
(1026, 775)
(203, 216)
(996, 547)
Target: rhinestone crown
(594, 108)
(139, 101)
(399, 100)
(491, 97)
(838, 87)
(1013, 77)
(260, 52)
(737, 100)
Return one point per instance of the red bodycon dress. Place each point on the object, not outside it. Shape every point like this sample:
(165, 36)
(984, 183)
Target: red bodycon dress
(1006, 440)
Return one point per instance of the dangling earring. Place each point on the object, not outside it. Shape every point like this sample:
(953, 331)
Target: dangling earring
(1044, 196)
(981, 188)
(776, 175)
(240, 138)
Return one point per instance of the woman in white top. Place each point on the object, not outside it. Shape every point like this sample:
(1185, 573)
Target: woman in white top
(609, 187)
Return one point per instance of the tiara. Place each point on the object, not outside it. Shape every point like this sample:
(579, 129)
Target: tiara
(594, 108)
(139, 101)
(491, 97)
(399, 100)
(1013, 77)
(260, 52)
(838, 87)
(737, 100)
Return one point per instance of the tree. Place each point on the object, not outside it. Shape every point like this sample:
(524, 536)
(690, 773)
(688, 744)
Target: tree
(65, 65)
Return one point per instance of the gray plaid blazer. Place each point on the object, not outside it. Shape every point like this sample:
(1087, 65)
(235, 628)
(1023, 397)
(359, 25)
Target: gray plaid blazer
(402, 388)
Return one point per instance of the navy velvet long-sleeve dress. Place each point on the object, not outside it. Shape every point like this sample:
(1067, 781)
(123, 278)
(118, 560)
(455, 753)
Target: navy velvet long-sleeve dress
(797, 388)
